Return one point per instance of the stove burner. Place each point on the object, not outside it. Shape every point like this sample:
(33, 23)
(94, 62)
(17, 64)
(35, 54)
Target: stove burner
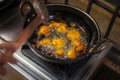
(62, 72)
(85, 69)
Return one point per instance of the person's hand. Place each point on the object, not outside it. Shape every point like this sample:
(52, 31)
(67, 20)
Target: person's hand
(6, 54)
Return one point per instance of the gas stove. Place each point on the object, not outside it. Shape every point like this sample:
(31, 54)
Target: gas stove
(74, 71)
(34, 68)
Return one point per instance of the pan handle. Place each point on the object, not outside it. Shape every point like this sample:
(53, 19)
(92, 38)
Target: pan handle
(27, 11)
(30, 9)
(100, 46)
(26, 8)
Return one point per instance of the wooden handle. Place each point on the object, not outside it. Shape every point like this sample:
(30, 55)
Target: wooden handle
(27, 32)
(40, 18)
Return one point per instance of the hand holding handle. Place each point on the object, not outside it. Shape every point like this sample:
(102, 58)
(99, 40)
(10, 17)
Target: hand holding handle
(34, 17)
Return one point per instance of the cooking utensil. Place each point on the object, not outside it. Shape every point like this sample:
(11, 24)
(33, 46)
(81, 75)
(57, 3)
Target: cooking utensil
(33, 17)
(83, 21)
(33, 13)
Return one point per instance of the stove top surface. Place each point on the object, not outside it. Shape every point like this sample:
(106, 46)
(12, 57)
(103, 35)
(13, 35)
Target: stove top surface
(61, 71)
(73, 71)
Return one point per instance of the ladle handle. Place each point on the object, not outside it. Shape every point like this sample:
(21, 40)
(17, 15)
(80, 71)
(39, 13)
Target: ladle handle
(99, 47)
(27, 32)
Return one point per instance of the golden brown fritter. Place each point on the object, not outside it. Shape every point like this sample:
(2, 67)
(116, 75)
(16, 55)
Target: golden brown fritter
(73, 35)
(44, 42)
(71, 54)
(66, 44)
(54, 24)
(60, 52)
(79, 46)
(44, 30)
(62, 28)
(58, 43)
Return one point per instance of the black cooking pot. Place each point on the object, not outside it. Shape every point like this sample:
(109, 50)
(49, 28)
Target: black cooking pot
(81, 18)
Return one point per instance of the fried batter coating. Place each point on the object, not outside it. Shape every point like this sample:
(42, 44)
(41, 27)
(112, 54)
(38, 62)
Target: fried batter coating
(79, 46)
(44, 42)
(54, 24)
(71, 54)
(60, 52)
(44, 30)
(73, 35)
(58, 43)
(62, 28)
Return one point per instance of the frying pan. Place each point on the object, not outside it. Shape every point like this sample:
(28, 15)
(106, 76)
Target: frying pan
(81, 18)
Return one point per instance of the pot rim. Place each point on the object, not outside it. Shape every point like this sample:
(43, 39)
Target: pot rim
(91, 42)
